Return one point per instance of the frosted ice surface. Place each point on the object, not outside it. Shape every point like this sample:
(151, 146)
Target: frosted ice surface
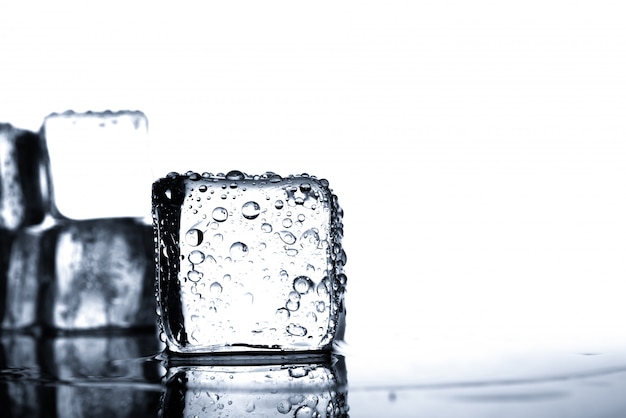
(99, 164)
(248, 262)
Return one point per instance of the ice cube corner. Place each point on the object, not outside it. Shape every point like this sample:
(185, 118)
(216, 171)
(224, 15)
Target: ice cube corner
(248, 263)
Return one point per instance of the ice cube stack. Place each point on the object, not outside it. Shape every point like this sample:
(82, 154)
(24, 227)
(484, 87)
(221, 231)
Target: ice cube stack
(248, 263)
(69, 266)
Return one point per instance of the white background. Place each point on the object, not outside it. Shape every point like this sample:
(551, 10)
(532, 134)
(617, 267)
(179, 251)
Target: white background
(478, 147)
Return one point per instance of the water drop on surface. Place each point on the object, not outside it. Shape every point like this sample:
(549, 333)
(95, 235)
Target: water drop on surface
(282, 314)
(238, 250)
(320, 306)
(284, 406)
(250, 407)
(279, 204)
(250, 210)
(194, 275)
(220, 214)
(296, 330)
(215, 288)
(302, 284)
(266, 227)
(287, 237)
(301, 217)
(235, 175)
(196, 257)
(287, 223)
(194, 237)
(202, 188)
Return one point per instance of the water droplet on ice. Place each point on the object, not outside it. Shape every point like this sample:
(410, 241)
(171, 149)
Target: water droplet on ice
(283, 406)
(282, 314)
(296, 330)
(194, 275)
(238, 250)
(196, 257)
(194, 237)
(220, 214)
(302, 284)
(235, 175)
(287, 237)
(250, 210)
(215, 288)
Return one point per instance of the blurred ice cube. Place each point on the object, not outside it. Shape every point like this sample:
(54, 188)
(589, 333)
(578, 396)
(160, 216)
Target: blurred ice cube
(23, 195)
(98, 274)
(20, 280)
(99, 164)
(19, 366)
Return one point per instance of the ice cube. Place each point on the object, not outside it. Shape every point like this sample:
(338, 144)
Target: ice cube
(23, 195)
(248, 263)
(292, 389)
(97, 274)
(20, 280)
(98, 164)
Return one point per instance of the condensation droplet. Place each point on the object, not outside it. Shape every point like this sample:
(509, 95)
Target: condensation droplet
(194, 275)
(218, 238)
(284, 406)
(250, 407)
(238, 250)
(196, 257)
(249, 298)
(235, 175)
(250, 210)
(194, 237)
(279, 204)
(320, 306)
(220, 214)
(287, 237)
(215, 288)
(266, 227)
(282, 314)
(291, 252)
(287, 222)
(301, 217)
(296, 330)
(302, 284)
(202, 188)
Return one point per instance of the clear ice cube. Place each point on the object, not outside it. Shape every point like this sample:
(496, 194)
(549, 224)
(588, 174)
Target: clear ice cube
(98, 164)
(23, 194)
(248, 263)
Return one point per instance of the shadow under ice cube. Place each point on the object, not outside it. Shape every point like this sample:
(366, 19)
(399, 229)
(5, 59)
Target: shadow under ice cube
(248, 263)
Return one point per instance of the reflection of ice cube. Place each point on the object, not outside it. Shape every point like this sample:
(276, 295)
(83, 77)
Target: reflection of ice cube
(248, 262)
(316, 389)
(22, 192)
(98, 164)
(98, 274)
(20, 397)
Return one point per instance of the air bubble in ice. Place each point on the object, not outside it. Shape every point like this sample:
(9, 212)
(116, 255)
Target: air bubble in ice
(220, 214)
(194, 237)
(250, 406)
(304, 412)
(215, 288)
(196, 257)
(302, 284)
(238, 250)
(296, 330)
(250, 210)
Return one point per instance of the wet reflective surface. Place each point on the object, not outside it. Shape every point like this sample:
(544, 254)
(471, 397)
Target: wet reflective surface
(126, 375)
